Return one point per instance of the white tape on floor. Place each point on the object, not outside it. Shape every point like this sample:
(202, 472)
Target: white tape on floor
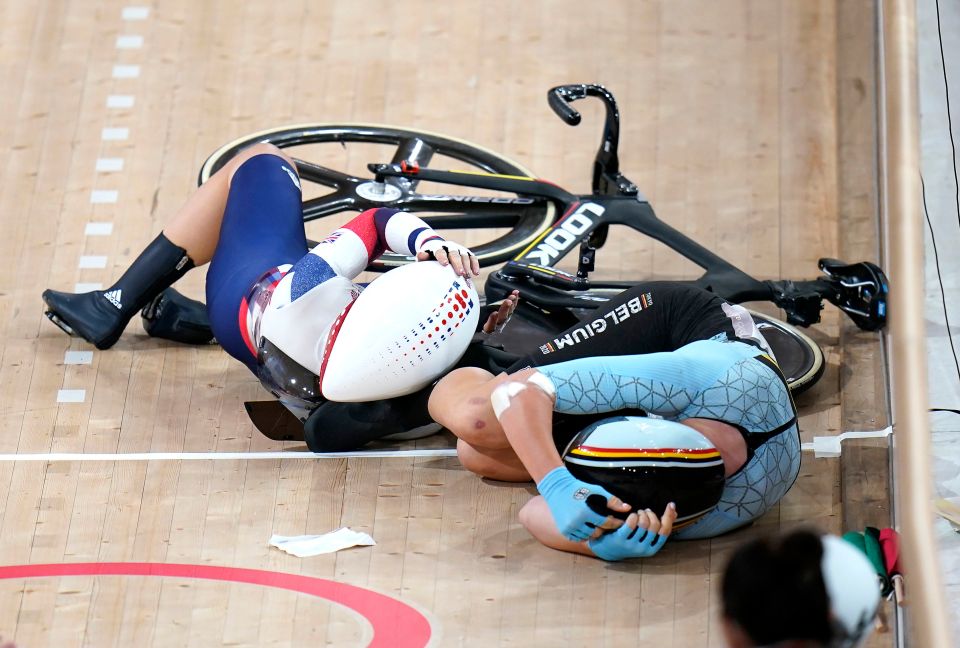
(829, 446)
(104, 196)
(224, 456)
(105, 165)
(71, 395)
(114, 134)
(135, 13)
(132, 41)
(92, 261)
(98, 229)
(120, 101)
(126, 71)
(78, 357)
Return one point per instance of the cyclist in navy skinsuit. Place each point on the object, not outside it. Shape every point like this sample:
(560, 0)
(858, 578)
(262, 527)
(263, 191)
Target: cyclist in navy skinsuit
(266, 293)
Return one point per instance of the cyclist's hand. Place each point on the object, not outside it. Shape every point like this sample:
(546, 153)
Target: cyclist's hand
(462, 260)
(499, 318)
(567, 497)
(641, 536)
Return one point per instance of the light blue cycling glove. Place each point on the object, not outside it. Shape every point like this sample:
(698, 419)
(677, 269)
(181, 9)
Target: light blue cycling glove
(627, 543)
(567, 498)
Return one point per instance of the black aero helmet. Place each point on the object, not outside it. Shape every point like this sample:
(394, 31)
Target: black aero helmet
(648, 463)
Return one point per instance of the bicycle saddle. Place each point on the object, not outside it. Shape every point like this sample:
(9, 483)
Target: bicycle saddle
(860, 290)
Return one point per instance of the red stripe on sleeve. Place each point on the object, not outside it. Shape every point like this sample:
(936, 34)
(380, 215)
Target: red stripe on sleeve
(365, 227)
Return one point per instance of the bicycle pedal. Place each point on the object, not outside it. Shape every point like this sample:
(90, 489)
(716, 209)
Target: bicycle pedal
(63, 326)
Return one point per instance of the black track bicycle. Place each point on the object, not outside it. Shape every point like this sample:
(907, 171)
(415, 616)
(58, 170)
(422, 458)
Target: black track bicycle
(533, 224)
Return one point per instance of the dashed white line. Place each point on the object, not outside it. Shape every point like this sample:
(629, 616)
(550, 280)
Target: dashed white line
(135, 13)
(78, 357)
(126, 71)
(120, 101)
(114, 134)
(98, 229)
(92, 262)
(106, 165)
(71, 395)
(103, 196)
(87, 287)
(129, 42)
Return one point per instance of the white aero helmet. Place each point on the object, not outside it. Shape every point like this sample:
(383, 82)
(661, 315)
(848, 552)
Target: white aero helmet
(405, 329)
(852, 588)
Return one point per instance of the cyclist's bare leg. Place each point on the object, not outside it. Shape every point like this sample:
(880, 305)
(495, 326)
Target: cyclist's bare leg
(500, 464)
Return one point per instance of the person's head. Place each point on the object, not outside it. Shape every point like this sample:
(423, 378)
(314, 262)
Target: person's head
(802, 589)
(649, 462)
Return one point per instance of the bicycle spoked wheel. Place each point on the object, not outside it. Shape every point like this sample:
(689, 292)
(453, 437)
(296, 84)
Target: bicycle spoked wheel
(799, 357)
(332, 159)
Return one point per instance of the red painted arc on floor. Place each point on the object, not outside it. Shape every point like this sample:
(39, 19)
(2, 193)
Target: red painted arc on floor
(395, 624)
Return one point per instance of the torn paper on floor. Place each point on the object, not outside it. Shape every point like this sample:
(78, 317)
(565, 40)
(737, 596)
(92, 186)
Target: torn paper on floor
(313, 545)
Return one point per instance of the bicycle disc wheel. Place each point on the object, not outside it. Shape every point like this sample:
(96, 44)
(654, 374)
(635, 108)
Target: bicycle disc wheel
(332, 187)
(799, 357)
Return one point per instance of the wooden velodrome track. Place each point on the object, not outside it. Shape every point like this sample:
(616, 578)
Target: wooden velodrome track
(749, 124)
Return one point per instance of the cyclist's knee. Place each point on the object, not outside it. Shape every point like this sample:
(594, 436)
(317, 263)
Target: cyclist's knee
(461, 403)
(261, 148)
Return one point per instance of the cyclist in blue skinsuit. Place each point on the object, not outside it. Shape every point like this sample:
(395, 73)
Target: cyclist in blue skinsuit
(725, 385)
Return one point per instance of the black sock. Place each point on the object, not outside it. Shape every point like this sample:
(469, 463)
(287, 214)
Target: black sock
(159, 265)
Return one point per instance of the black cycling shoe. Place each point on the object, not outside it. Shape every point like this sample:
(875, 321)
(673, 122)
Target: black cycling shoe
(93, 315)
(173, 316)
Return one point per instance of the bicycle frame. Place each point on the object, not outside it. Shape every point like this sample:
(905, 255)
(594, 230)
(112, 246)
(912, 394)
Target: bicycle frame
(546, 221)
(585, 222)
(860, 289)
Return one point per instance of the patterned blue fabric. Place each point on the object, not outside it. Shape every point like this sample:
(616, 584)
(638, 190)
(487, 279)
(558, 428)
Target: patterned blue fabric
(705, 379)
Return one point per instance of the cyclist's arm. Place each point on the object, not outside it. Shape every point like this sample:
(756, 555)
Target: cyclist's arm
(348, 250)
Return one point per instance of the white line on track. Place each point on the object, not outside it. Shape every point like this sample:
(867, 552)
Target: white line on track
(71, 395)
(98, 229)
(224, 456)
(126, 71)
(114, 134)
(135, 13)
(78, 357)
(120, 101)
(104, 196)
(92, 261)
(131, 41)
(88, 286)
(105, 165)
